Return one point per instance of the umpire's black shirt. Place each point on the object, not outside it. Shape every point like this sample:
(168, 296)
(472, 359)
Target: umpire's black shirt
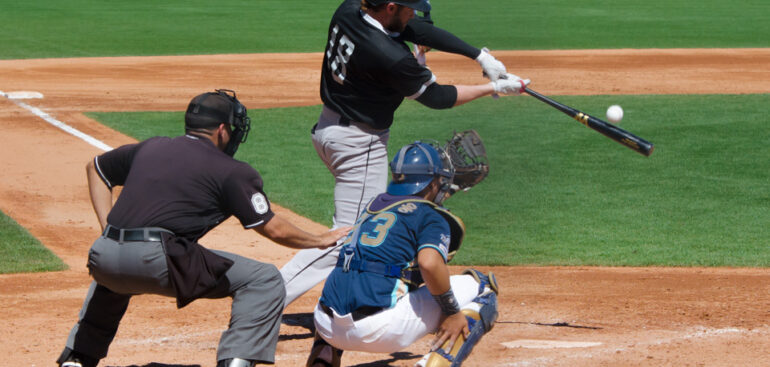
(183, 184)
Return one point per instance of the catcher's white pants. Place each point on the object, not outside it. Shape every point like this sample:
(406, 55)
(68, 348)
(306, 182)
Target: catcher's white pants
(415, 315)
(357, 156)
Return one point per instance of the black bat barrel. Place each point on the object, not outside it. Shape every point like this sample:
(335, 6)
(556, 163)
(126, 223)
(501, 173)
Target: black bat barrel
(611, 131)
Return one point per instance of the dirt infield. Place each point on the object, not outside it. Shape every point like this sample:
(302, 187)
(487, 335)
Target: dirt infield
(562, 316)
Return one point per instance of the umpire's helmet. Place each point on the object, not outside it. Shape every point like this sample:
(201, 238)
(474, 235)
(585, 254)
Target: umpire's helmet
(208, 110)
(416, 165)
(419, 5)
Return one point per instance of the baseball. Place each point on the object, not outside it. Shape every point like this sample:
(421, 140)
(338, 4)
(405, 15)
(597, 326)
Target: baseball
(614, 114)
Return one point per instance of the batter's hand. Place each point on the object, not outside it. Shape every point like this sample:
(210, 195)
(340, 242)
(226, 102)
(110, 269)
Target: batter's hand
(419, 53)
(332, 237)
(510, 84)
(493, 68)
(449, 330)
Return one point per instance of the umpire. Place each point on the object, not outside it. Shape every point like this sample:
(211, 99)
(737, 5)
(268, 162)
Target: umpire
(175, 190)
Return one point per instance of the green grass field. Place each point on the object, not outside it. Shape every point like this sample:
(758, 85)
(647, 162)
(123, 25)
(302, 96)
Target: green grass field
(86, 28)
(559, 193)
(20, 252)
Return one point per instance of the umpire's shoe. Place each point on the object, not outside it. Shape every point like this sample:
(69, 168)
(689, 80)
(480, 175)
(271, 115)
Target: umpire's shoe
(235, 362)
(71, 358)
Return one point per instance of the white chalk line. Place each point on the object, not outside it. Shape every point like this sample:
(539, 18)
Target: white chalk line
(548, 344)
(177, 338)
(699, 332)
(61, 125)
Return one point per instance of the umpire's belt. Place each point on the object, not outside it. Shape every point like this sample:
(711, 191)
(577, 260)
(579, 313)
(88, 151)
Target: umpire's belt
(149, 234)
(358, 314)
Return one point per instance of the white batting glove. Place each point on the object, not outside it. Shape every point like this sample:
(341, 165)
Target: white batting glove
(493, 68)
(419, 54)
(510, 84)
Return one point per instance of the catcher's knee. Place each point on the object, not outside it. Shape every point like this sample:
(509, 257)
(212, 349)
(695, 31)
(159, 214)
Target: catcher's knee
(481, 314)
(485, 281)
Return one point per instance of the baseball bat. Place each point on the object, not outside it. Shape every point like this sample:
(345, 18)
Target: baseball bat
(611, 131)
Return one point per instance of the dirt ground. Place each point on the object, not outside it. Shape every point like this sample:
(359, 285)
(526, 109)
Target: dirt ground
(549, 316)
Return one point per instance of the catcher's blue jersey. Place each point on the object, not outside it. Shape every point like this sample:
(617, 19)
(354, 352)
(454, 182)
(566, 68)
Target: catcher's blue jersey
(390, 232)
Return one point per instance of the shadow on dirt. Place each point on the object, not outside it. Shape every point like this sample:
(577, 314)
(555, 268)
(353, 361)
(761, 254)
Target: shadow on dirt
(154, 364)
(398, 356)
(554, 324)
(304, 319)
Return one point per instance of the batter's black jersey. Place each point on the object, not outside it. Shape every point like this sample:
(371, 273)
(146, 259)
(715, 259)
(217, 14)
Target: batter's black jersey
(183, 184)
(366, 72)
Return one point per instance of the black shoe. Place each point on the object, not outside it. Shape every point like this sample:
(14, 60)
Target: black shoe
(70, 358)
(235, 362)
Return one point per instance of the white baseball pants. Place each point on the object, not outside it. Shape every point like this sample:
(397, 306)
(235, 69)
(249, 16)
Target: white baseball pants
(357, 157)
(415, 315)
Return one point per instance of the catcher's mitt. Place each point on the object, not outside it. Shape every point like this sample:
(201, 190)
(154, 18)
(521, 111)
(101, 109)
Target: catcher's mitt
(469, 158)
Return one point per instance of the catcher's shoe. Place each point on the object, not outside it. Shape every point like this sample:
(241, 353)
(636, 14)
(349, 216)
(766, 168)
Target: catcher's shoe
(323, 354)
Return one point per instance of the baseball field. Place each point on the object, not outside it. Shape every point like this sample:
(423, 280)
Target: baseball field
(604, 257)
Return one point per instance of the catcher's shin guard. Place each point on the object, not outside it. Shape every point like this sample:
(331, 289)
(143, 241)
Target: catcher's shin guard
(481, 315)
(323, 354)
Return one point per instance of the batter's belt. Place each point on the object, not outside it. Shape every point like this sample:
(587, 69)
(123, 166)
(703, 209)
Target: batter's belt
(330, 117)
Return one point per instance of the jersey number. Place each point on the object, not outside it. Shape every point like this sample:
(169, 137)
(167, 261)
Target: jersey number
(259, 203)
(376, 236)
(338, 54)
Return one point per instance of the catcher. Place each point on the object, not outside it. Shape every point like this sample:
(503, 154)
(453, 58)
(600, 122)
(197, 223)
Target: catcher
(391, 285)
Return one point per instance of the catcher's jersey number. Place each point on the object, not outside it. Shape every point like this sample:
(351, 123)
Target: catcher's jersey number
(375, 236)
(338, 54)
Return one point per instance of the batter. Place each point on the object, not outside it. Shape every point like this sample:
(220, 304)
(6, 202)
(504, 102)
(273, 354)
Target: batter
(368, 70)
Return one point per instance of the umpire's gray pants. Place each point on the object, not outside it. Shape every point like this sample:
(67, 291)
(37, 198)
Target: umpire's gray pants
(121, 270)
(357, 156)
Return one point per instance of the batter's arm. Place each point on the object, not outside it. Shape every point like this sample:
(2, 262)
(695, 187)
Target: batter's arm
(101, 194)
(440, 96)
(467, 93)
(425, 33)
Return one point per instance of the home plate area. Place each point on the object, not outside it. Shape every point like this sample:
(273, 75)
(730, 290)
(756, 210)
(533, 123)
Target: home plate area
(22, 95)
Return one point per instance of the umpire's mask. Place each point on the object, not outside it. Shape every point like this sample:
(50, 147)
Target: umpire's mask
(208, 110)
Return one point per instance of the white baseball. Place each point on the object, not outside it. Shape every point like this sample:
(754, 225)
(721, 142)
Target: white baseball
(614, 114)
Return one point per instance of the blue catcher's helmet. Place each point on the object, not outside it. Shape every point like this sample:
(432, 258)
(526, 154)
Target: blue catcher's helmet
(416, 165)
